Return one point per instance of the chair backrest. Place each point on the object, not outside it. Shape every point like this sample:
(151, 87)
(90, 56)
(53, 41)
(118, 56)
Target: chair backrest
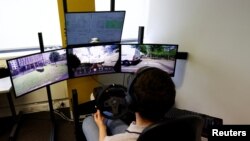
(188, 128)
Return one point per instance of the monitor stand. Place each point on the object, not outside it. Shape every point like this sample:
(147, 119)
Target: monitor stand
(52, 116)
(13, 133)
(18, 119)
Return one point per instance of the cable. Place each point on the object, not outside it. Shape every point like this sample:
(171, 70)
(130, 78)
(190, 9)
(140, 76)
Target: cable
(129, 79)
(62, 115)
(123, 79)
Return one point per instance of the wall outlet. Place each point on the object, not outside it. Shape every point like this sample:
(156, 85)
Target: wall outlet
(61, 104)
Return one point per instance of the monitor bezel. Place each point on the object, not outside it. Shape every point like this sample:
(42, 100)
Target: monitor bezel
(92, 12)
(167, 44)
(40, 87)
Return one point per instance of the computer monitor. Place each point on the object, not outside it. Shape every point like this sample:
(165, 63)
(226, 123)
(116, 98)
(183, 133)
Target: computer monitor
(90, 27)
(31, 72)
(93, 60)
(134, 56)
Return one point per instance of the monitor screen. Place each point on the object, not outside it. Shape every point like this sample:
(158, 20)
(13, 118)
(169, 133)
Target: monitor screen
(90, 27)
(93, 59)
(134, 56)
(29, 73)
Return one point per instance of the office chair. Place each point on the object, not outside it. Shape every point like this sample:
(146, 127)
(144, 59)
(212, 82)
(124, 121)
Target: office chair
(188, 128)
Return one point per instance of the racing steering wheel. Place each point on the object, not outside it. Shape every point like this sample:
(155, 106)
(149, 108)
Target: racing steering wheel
(111, 101)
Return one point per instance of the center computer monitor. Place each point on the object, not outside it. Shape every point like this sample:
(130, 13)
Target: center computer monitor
(93, 60)
(90, 27)
(31, 72)
(134, 56)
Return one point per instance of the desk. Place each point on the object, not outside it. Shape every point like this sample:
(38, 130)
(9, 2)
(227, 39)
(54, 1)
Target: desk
(5, 88)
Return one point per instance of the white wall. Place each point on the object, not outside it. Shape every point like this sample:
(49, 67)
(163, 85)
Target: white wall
(215, 79)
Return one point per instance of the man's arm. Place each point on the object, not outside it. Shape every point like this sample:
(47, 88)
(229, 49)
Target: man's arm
(102, 127)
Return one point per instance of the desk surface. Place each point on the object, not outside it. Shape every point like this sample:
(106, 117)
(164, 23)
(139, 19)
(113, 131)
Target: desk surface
(5, 85)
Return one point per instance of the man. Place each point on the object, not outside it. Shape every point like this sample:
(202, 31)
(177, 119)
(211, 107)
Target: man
(152, 93)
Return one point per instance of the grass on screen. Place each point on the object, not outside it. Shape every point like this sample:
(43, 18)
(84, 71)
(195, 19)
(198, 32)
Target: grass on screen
(35, 79)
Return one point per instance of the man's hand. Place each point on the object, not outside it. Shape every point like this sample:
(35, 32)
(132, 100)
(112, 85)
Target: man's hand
(99, 120)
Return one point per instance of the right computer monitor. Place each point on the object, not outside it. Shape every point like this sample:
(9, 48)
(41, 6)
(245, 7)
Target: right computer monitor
(135, 56)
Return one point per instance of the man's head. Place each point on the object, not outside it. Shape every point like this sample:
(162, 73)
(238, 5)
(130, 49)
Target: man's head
(153, 92)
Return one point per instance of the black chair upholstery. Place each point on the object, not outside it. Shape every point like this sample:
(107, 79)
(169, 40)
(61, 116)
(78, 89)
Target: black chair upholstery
(188, 128)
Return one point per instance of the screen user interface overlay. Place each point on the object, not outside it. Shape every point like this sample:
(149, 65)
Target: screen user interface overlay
(87, 27)
(31, 72)
(134, 56)
(94, 59)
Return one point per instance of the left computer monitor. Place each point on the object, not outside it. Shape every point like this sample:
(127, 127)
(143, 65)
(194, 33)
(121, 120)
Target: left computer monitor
(31, 72)
(93, 60)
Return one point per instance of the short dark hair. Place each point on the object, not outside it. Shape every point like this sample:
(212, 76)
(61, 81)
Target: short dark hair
(155, 94)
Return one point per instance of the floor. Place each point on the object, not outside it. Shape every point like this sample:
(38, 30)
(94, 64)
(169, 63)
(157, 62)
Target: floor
(37, 127)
